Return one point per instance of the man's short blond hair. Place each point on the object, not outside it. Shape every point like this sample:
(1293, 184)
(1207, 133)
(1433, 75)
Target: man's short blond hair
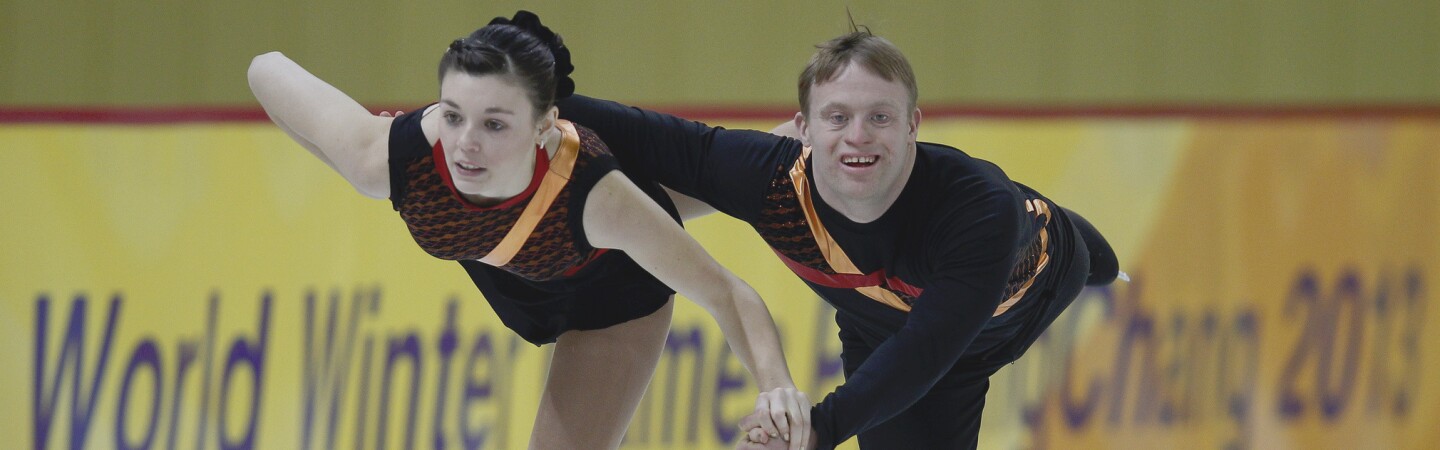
(872, 52)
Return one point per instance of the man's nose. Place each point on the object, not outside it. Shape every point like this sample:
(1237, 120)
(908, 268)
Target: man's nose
(858, 134)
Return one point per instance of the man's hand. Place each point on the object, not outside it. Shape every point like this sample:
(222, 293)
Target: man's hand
(755, 437)
(747, 444)
(781, 413)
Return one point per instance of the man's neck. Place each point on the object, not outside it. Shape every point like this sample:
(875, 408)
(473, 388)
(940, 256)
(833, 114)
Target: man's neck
(858, 210)
(863, 208)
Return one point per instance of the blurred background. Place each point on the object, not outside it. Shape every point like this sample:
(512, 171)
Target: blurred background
(175, 272)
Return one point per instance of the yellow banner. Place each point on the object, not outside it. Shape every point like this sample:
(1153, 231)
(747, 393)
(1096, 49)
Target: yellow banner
(1282, 297)
(215, 286)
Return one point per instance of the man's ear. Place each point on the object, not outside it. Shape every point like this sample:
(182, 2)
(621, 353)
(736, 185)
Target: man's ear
(801, 126)
(914, 125)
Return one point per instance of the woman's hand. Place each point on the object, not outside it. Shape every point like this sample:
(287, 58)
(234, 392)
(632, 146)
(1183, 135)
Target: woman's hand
(780, 413)
(755, 437)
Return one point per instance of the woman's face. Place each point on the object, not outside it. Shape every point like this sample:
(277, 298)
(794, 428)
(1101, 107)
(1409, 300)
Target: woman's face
(489, 131)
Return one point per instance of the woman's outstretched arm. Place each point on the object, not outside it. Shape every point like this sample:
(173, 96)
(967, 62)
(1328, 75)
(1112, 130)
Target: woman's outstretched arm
(325, 121)
(618, 215)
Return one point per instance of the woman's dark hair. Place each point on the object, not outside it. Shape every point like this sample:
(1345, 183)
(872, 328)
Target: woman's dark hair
(521, 48)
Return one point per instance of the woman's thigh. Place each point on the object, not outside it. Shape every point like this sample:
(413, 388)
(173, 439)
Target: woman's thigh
(596, 381)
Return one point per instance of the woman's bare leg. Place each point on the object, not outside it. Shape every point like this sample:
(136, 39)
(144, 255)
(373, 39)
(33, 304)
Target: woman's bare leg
(597, 378)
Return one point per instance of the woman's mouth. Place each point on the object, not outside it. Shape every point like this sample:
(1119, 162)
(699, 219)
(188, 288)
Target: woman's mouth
(468, 169)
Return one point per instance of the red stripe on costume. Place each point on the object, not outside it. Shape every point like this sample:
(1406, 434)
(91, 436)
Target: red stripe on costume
(895, 284)
(574, 270)
(849, 281)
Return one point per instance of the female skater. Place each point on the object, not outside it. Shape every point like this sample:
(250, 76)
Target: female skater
(562, 244)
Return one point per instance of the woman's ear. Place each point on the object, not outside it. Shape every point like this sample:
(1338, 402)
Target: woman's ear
(548, 121)
(545, 125)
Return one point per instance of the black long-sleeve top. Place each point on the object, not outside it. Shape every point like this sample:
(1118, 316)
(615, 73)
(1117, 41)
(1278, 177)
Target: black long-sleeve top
(960, 241)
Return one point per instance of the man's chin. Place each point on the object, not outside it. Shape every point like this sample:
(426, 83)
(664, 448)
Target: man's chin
(858, 194)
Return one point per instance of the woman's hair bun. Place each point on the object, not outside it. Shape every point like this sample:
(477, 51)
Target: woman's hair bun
(530, 23)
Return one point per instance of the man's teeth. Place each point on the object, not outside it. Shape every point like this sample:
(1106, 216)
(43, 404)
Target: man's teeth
(467, 166)
(860, 159)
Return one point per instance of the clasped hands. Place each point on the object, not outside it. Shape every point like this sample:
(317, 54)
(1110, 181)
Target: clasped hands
(781, 421)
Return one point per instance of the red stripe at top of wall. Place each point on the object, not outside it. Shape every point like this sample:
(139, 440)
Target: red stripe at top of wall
(134, 115)
(188, 114)
(1088, 111)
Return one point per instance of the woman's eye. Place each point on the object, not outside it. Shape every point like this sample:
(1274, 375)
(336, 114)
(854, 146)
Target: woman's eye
(452, 118)
(494, 125)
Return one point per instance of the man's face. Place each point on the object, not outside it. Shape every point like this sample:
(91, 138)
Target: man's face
(861, 130)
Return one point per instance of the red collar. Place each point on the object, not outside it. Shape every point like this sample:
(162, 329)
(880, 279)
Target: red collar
(542, 164)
